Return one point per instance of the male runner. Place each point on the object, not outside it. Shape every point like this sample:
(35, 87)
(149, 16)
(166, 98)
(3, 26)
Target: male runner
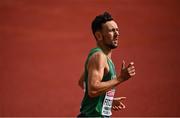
(99, 76)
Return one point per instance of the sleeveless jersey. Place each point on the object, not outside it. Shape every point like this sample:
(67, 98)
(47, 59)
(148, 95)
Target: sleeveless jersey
(100, 105)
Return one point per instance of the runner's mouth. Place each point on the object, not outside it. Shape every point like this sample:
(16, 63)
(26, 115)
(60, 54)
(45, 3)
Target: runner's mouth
(115, 39)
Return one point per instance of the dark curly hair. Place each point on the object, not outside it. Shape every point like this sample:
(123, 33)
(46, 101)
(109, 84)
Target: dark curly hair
(99, 20)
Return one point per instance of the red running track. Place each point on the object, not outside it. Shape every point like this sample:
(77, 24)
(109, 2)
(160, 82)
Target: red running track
(44, 43)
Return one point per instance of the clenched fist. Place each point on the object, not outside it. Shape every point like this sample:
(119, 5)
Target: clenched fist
(127, 72)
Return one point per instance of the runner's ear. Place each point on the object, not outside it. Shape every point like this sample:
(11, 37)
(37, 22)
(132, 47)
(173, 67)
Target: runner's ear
(98, 36)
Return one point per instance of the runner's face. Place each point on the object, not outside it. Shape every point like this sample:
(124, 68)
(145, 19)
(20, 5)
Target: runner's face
(110, 34)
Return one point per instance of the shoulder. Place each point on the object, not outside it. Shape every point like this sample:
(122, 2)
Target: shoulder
(98, 59)
(98, 56)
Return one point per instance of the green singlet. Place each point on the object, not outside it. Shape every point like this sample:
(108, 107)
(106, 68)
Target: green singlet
(100, 105)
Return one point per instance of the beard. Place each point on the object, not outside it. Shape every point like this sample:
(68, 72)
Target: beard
(112, 45)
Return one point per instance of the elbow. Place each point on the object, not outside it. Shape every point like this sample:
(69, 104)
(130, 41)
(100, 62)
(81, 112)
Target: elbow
(92, 93)
(93, 90)
(81, 84)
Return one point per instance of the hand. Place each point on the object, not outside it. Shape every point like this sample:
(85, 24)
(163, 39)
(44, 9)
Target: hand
(117, 104)
(127, 72)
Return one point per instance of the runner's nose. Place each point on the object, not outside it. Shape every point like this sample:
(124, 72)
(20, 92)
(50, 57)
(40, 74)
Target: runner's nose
(117, 33)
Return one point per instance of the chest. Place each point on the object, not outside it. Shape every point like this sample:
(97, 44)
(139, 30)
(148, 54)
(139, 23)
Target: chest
(109, 69)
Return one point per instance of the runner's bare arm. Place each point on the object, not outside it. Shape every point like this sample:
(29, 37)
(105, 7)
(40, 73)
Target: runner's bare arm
(96, 68)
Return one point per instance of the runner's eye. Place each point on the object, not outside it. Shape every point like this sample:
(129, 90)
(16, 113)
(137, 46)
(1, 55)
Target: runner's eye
(114, 30)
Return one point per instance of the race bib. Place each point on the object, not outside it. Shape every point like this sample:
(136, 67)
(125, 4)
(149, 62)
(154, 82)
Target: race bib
(107, 103)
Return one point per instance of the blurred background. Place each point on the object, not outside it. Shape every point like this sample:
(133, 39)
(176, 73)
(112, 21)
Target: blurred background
(44, 44)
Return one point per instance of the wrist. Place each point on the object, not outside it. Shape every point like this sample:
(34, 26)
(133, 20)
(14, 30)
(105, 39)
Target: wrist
(120, 79)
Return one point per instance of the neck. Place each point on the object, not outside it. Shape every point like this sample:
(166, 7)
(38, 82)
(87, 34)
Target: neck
(106, 51)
